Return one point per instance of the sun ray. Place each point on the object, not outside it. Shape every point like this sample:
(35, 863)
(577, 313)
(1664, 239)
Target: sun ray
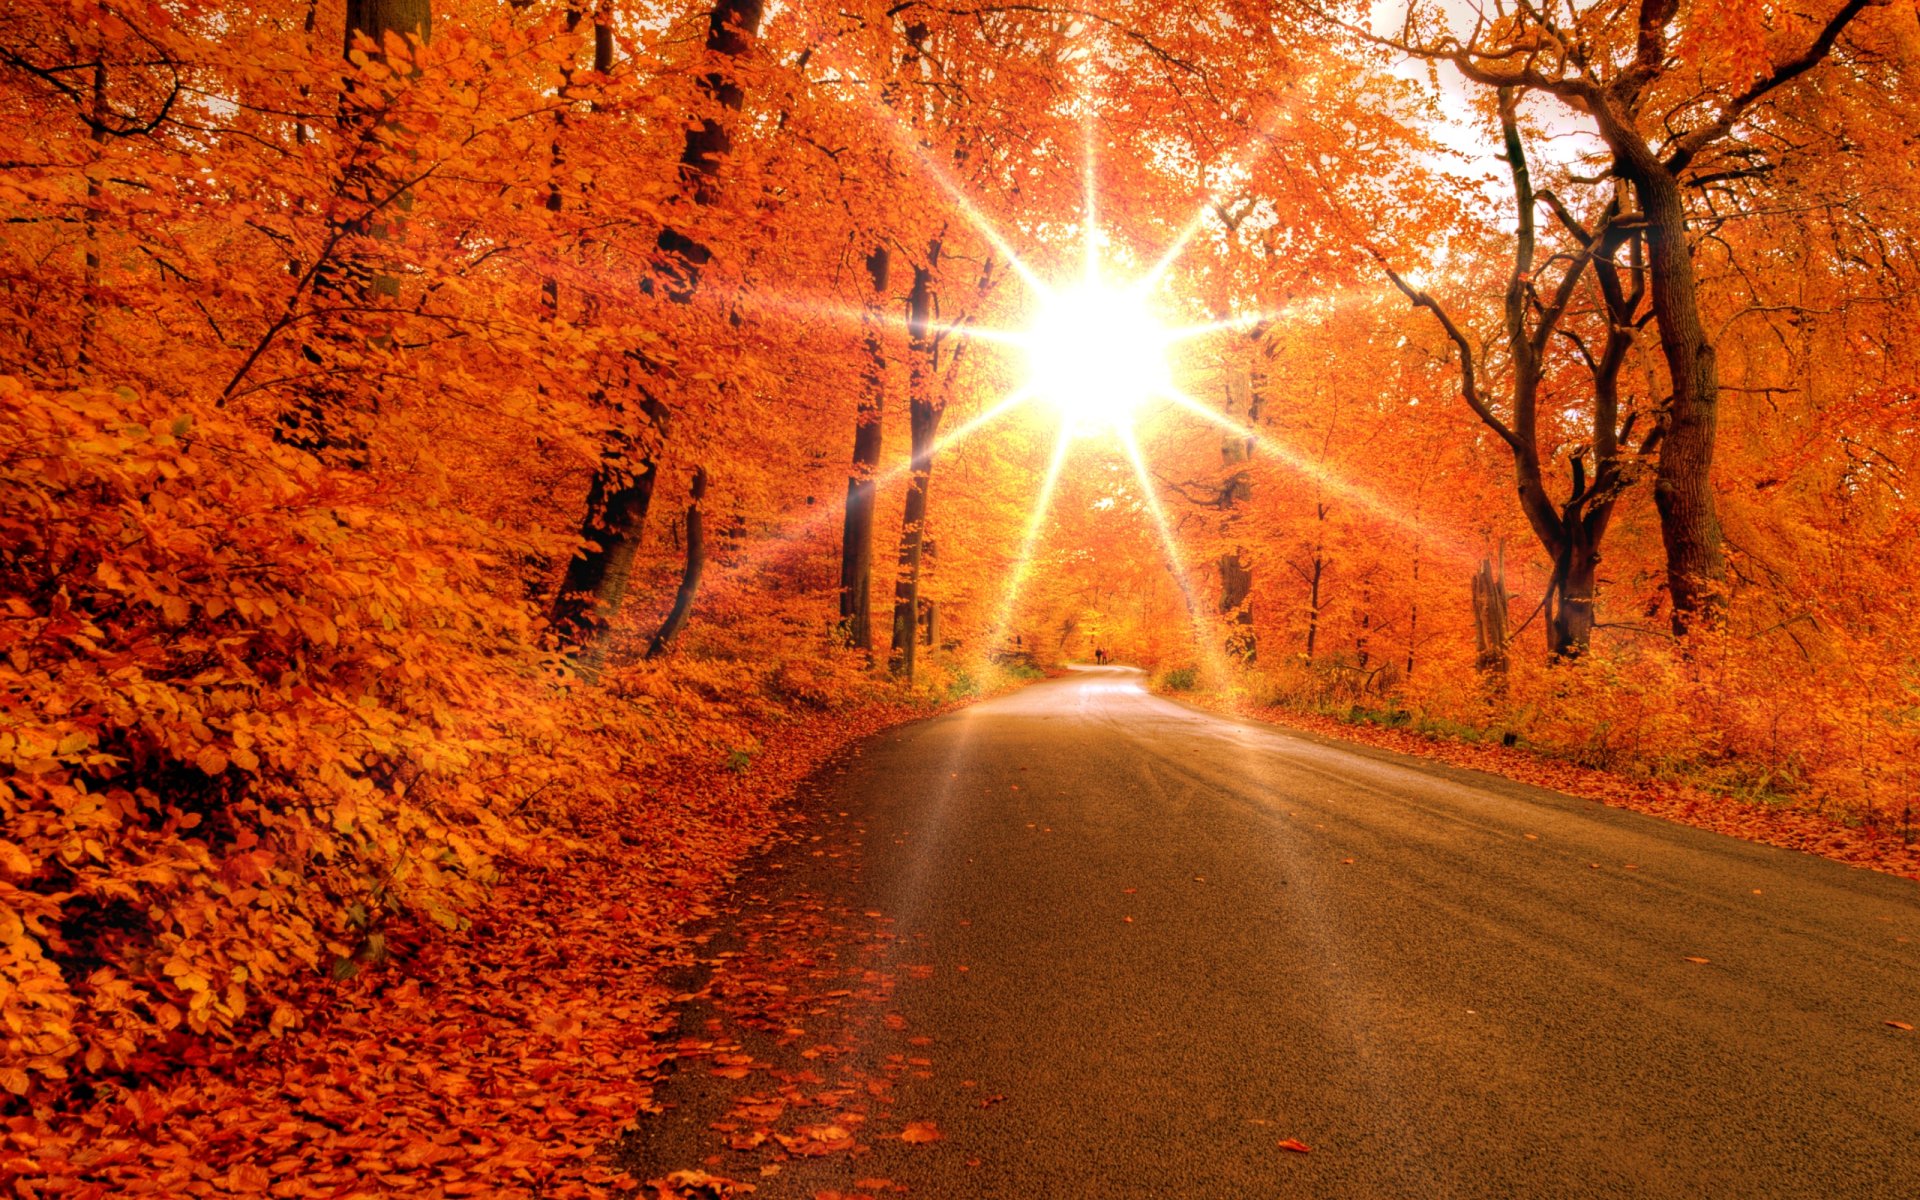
(907, 137)
(853, 315)
(1089, 187)
(903, 134)
(1356, 494)
(1245, 158)
(1236, 324)
(1016, 579)
(1203, 636)
(985, 417)
(1158, 272)
(789, 528)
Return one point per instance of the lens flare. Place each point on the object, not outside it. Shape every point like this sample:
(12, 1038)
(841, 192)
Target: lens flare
(1097, 355)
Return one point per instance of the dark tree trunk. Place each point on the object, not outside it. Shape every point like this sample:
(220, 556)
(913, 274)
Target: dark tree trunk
(1570, 624)
(1489, 618)
(630, 510)
(618, 498)
(1570, 533)
(319, 420)
(923, 419)
(690, 574)
(1236, 575)
(1313, 606)
(1413, 613)
(622, 485)
(1236, 588)
(856, 544)
(1683, 476)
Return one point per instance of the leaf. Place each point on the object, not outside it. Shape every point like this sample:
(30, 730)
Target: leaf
(920, 1132)
(15, 859)
(1903, 1025)
(1295, 1145)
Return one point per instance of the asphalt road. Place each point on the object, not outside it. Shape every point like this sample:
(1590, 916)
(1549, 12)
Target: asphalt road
(1123, 948)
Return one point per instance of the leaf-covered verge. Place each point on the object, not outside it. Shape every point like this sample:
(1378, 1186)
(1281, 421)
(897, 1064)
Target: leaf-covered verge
(495, 1060)
(317, 869)
(1678, 749)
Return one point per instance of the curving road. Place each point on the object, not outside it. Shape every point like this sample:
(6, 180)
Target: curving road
(1165, 941)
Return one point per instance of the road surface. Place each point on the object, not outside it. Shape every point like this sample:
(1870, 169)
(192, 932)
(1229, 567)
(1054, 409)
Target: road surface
(1111, 946)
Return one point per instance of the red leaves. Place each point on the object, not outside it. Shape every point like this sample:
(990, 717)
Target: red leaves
(698, 1185)
(812, 1141)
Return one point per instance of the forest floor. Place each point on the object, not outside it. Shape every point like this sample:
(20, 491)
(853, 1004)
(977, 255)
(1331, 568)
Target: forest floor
(1888, 848)
(496, 1061)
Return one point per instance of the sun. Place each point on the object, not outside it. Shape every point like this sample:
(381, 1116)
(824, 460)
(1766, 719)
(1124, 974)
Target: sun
(1096, 355)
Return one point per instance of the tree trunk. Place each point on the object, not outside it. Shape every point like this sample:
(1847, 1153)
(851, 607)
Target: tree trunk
(1683, 476)
(1413, 612)
(1570, 624)
(622, 485)
(595, 583)
(1489, 618)
(1236, 576)
(90, 282)
(318, 420)
(1236, 588)
(690, 574)
(856, 544)
(924, 424)
(1313, 606)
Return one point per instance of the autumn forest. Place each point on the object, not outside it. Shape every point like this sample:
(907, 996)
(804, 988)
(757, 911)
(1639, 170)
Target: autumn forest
(465, 465)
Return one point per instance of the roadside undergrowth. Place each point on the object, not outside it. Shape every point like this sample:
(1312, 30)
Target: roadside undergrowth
(1767, 807)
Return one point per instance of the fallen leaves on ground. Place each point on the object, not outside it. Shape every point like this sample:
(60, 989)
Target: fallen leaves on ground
(1295, 1145)
(920, 1132)
(497, 1061)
